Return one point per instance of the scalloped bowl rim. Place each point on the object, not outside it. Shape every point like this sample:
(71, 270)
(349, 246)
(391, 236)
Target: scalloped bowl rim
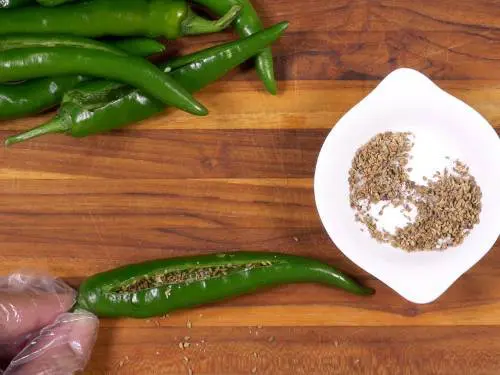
(407, 99)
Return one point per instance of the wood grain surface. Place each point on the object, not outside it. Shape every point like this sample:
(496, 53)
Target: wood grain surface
(241, 179)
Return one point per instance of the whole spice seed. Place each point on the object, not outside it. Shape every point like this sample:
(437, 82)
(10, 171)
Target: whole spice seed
(186, 276)
(448, 205)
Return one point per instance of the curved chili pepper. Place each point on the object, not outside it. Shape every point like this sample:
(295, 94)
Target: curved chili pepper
(158, 287)
(137, 46)
(34, 96)
(166, 18)
(29, 63)
(248, 23)
(101, 106)
(53, 3)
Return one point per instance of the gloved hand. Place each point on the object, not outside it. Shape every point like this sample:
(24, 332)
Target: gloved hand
(37, 334)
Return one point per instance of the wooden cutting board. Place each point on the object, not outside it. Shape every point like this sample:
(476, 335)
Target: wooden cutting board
(241, 179)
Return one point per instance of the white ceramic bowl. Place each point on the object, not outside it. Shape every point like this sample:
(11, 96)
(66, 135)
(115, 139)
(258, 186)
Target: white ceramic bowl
(443, 125)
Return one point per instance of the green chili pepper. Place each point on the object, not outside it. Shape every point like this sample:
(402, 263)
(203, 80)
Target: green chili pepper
(166, 18)
(136, 45)
(100, 106)
(139, 46)
(29, 63)
(53, 3)
(158, 287)
(247, 23)
(35, 96)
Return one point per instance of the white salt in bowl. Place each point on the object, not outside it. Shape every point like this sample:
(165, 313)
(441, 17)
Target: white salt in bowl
(443, 125)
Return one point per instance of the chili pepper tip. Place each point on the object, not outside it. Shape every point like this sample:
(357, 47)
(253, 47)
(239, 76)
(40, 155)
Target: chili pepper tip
(56, 125)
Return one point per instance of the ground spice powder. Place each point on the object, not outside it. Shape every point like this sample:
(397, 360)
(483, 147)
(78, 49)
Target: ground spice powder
(448, 205)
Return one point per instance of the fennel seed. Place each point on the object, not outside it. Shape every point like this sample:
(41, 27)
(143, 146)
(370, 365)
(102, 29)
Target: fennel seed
(448, 204)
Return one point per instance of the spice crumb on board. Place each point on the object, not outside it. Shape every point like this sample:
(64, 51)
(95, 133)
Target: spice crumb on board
(271, 339)
(447, 205)
(254, 370)
(189, 324)
(123, 361)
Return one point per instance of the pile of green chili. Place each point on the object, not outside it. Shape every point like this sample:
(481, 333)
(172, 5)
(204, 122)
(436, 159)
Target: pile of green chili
(104, 84)
(90, 59)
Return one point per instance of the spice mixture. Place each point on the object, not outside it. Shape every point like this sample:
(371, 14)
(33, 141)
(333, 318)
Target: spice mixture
(187, 276)
(447, 206)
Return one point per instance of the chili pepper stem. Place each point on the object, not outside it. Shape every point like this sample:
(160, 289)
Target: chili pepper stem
(56, 125)
(195, 25)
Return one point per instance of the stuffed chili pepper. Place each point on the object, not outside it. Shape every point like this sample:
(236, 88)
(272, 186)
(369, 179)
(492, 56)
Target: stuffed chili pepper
(157, 287)
(100, 106)
(155, 18)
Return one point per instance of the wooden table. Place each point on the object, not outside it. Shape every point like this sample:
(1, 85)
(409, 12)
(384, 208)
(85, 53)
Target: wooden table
(241, 179)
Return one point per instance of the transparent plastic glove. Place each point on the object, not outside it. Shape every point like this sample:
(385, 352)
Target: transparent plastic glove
(62, 348)
(35, 328)
(29, 302)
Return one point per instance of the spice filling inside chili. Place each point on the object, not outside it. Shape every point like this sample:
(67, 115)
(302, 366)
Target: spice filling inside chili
(186, 276)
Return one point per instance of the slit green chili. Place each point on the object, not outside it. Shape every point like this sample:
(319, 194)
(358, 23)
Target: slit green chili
(29, 63)
(35, 96)
(154, 18)
(248, 23)
(158, 287)
(101, 106)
